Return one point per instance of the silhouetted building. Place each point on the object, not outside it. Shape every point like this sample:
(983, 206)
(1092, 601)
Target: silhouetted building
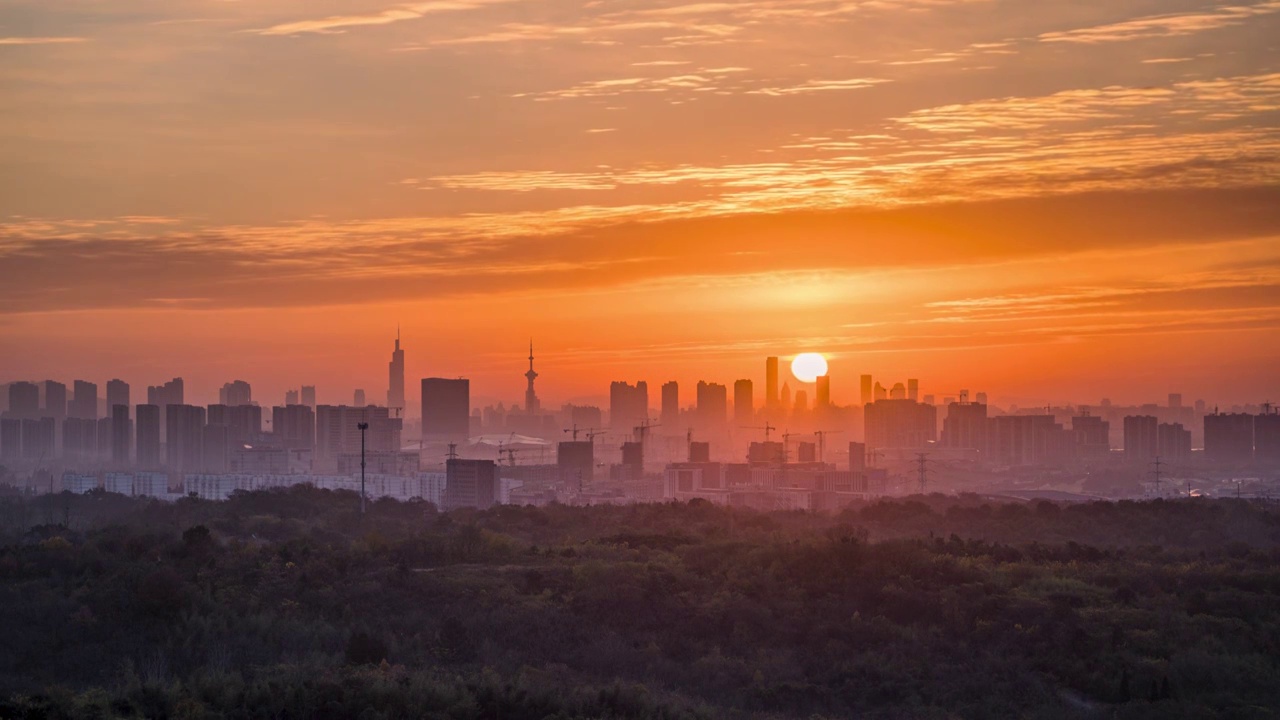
(24, 400)
(236, 392)
(117, 394)
(670, 416)
(857, 456)
(769, 452)
(822, 393)
(294, 427)
(470, 484)
(395, 379)
(309, 396)
(215, 449)
(576, 462)
(713, 404)
(338, 431)
(1175, 401)
(965, 426)
(11, 439)
(184, 437)
(243, 423)
(586, 416)
(446, 408)
(743, 402)
(79, 438)
(358, 399)
(120, 434)
(1141, 440)
(898, 392)
(55, 400)
(900, 424)
(38, 438)
(1173, 442)
(103, 436)
(880, 393)
(699, 452)
(632, 460)
(771, 398)
(868, 391)
(807, 452)
(170, 393)
(147, 419)
(1228, 438)
(531, 402)
(84, 401)
(913, 389)
(628, 405)
(1091, 437)
(292, 397)
(1019, 440)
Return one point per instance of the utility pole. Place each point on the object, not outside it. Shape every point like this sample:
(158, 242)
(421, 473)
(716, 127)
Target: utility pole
(363, 427)
(922, 460)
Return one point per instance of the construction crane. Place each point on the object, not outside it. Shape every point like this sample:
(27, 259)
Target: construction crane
(592, 434)
(573, 430)
(786, 440)
(767, 428)
(822, 440)
(642, 431)
(510, 451)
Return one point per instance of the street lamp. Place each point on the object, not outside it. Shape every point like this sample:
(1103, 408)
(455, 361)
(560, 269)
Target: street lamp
(363, 427)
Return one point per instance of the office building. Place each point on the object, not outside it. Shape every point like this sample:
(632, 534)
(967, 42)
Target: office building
(84, 401)
(867, 390)
(55, 400)
(628, 406)
(744, 401)
(236, 392)
(670, 416)
(470, 484)
(358, 398)
(900, 424)
(184, 437)
(121, 433)
(395, 380)
(309, 396)
(446, 409)
(913, 389)
(898, 392)
(24, 400)
(147, 431)
(292, 397)
(771, 398)
(1228, 438)
(117, 394)
(1141, 440)
(880, 393)
(1175, 401)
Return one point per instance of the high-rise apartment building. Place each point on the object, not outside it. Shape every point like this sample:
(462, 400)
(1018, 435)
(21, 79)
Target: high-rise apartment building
(309, 396)
(84, 400)
(822, 393)
(670, 404)
(470, 484)
(24, 400)
(121, 432)
(900, 424)
(628, 406)
(1173, 442)
(744, 401)
(294, 427)
(965, 426)
(55, 400)
(117, 394)
(358, 398)
(1141, 439)
(913, 389)
(867, 390)
(771, 398)
(236, 392)
(1228, 438)
(713, 404)
(147, 431)
(184, 437)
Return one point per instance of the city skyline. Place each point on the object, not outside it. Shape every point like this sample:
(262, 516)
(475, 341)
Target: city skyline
(1059, 199)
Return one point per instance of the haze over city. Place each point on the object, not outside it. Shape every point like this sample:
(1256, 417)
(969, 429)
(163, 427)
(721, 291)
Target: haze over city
(639, 359)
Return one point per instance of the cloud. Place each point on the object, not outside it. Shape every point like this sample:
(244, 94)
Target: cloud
(41, 40)
(411, 11)
(1157, 26)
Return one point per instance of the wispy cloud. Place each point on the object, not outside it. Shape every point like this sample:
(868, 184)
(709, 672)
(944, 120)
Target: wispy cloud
(1171, 25)
(399, 13)
(41, 40)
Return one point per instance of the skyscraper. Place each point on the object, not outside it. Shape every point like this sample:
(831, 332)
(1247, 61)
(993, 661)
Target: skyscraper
(117, 394)
(868, 395)
(713, 404)
(822, 399)
(184, 437)
(170, 393)
(120, 432)
(55, 400)
(771, 398)
(358, 399)
(395, 379)
(670, 404)
(147, 418)
(294, 426)
(291, 397)
(446, 408)
(309, 396)
(628, 406)
(24, 400)
(744, 401)
(913, 389)
(84, 401)
(531, 404)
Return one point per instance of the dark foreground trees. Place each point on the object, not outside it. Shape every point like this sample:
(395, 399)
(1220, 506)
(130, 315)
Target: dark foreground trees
(289, 605)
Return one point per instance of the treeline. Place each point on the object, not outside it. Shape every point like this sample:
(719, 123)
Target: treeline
(289, 604)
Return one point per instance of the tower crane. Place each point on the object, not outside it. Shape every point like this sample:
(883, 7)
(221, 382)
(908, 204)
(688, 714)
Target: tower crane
(767, 428)
(786, 444)
(822, 441)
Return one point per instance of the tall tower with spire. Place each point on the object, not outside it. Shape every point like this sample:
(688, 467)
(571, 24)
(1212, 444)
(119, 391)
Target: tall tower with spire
(531, 404)
(395, 383)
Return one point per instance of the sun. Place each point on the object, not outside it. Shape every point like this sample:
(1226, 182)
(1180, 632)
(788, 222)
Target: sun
(808, 367)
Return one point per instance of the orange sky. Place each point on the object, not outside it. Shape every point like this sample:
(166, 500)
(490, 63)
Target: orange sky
(1051, 201)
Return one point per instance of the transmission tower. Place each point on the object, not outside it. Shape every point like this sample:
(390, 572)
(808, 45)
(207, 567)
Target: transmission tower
(922, 466)
(1159, 466)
